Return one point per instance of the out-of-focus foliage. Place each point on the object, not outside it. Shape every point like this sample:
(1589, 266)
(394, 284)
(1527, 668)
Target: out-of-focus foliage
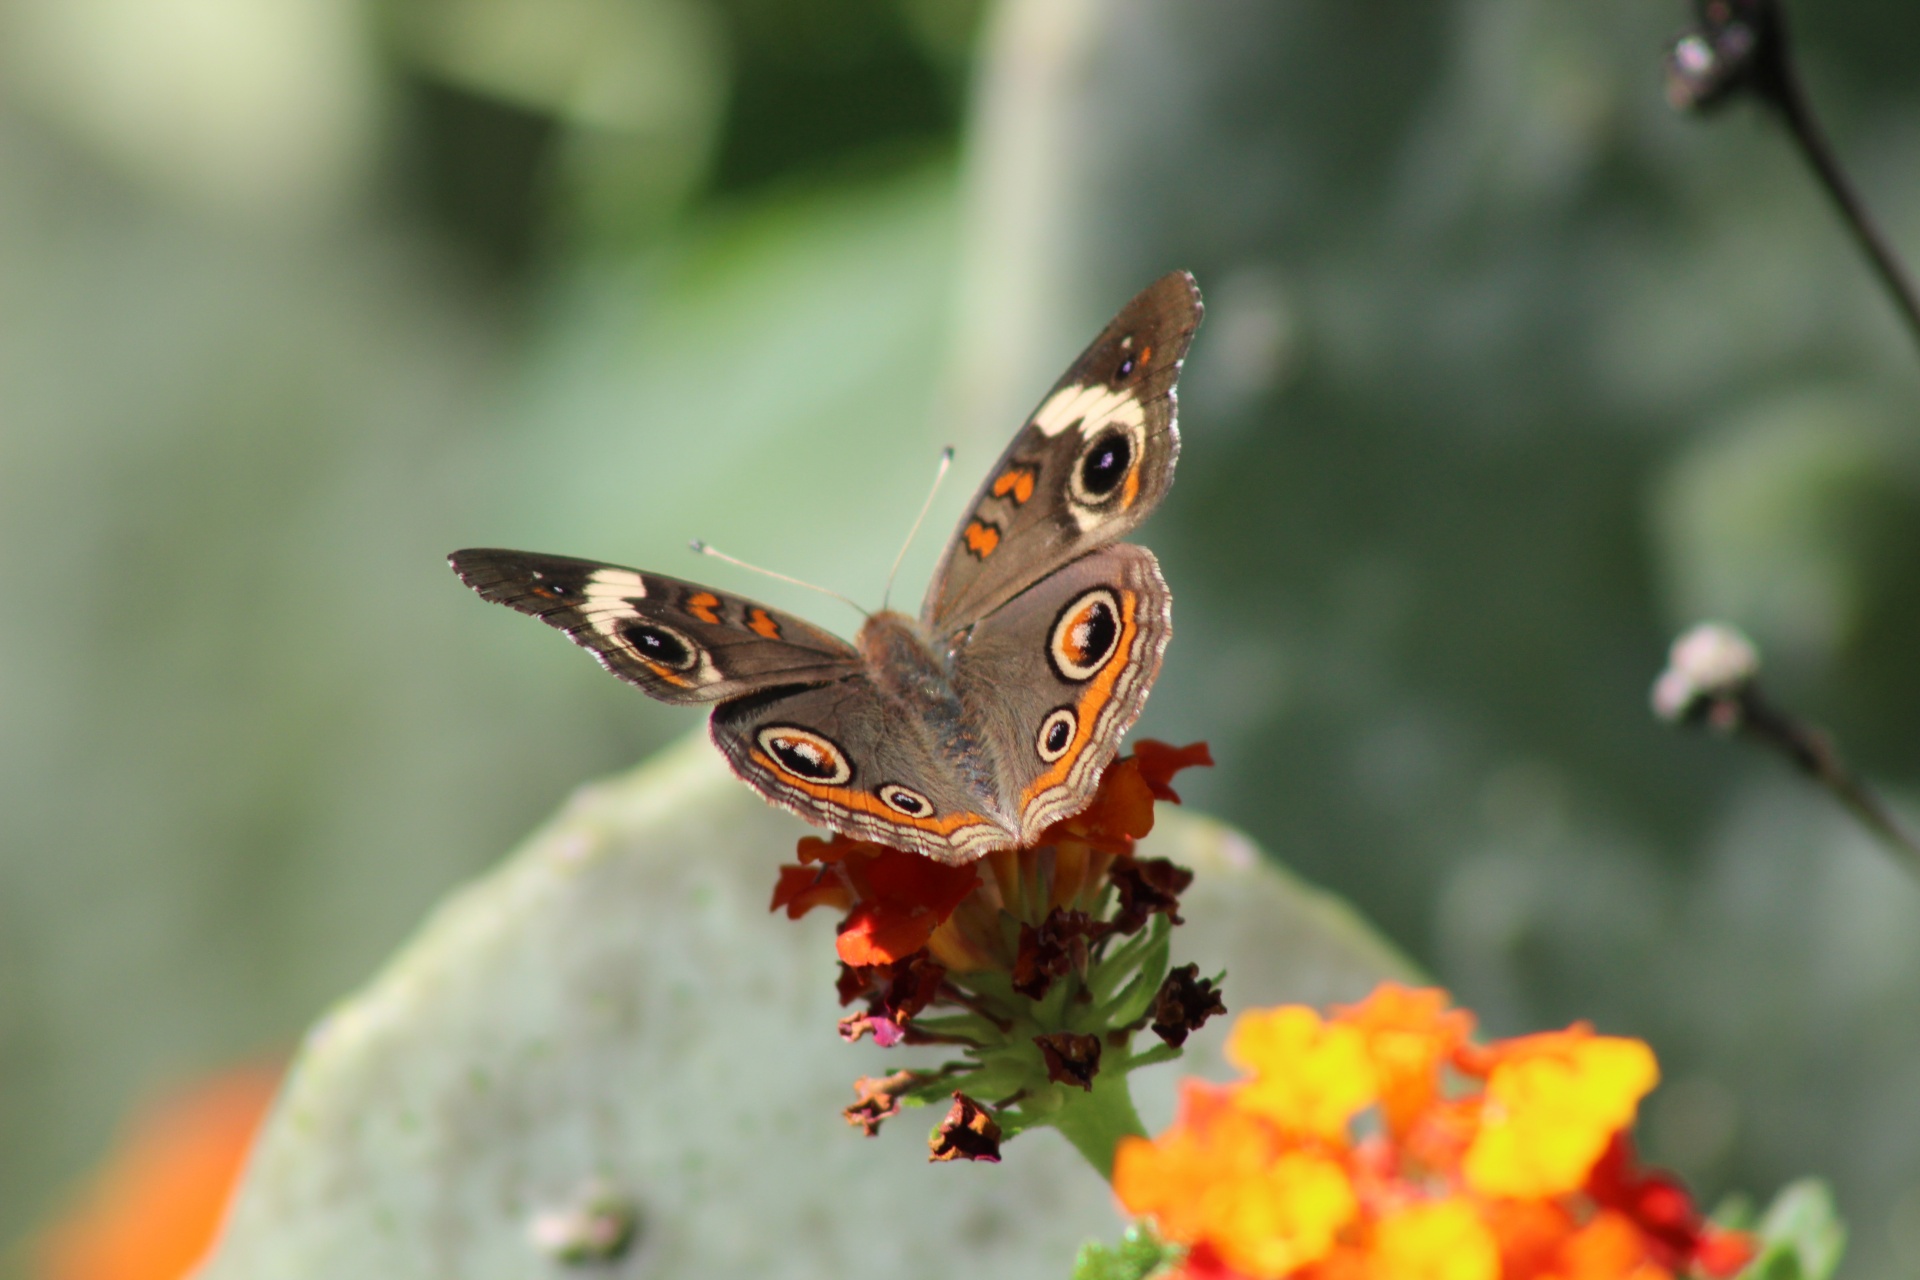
(1508, 373)
(1801, 1238)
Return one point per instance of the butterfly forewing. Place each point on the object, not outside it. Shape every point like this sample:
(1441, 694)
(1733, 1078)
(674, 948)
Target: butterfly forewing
(679, 641)
(1093, 460)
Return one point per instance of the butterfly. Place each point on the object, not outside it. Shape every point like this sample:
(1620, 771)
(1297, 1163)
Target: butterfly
(991, 716)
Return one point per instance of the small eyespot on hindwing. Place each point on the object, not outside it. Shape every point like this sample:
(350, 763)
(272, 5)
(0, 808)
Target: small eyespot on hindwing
(1056, 734)
(906, 800)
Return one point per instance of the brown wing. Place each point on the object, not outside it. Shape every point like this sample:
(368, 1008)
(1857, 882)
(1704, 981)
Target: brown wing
(1052, 680)
(1091, 462)
(678, 641)
(842, 756)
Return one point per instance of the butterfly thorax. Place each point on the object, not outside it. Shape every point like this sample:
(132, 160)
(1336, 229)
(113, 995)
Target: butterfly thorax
(902, 663)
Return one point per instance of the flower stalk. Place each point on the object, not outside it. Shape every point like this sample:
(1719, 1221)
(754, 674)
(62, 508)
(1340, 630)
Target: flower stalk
(1741, 47)
(1096, 1121)
(1712, 678)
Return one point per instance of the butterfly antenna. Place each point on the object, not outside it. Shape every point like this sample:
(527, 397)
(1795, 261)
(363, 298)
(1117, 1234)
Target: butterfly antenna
(718, 554)
(946, 461)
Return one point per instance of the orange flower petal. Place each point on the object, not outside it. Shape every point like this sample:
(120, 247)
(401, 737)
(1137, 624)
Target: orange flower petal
(1309, 1076)
(909, 881)
(904, 899)
(801, 889)
(1120, 813)
(1230, 1182)
(873, 936)
(153, 1210)
(1158, 763)
(1410, 1035)
(1721, 1253)
(1608, 1248)
(1531, 1233)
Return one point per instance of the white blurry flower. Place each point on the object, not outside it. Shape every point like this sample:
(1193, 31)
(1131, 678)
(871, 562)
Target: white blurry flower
(1708, 662)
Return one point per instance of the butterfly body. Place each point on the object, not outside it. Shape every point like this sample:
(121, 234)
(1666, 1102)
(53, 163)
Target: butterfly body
(978, 724)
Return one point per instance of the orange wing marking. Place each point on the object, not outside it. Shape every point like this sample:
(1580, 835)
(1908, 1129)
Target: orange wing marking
(702, 606)
(1015, 483)
(762, 624)
(858, 801)
(983, 539)
(1099, 692)
(668, 674)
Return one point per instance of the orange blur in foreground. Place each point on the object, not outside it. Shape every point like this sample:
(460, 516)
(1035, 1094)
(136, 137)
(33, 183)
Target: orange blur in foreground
(1382, 1144)
(151, 1213)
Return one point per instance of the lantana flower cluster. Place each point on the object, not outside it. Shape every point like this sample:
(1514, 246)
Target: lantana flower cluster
(1038, 965)
(1383, 1142)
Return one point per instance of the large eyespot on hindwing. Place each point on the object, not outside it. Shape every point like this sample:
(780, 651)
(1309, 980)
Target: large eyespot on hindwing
(658, 646)
(1085, 636)
(805, 755)
(905, 800)
(1057, 732)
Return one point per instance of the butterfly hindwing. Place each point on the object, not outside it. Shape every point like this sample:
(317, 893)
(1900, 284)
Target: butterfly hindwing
(842, 755)
(679, 641)
(1090, 463)
(1052, 679)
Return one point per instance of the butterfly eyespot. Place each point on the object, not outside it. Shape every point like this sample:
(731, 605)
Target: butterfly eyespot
(1085, 636)
(661, 646)
(906, 800)
(1103, 465)
(1057, 733)
(806, 755)
(1126, 367)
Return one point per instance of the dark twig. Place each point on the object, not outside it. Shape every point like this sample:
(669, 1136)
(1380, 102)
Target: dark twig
(1813, 753)
(1712, 679)
(1741, 47)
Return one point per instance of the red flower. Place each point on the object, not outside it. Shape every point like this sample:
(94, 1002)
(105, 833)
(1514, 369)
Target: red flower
(898, 899)
(1029, 960)
(1676, 1233)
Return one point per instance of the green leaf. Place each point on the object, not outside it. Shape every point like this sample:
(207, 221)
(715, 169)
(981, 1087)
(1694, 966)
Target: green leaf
(1138, 1255)
(648, 1030)
(1137, 996)
(1801, 1235)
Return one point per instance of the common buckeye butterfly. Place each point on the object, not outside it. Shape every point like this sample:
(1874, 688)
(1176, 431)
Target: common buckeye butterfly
(977, 725)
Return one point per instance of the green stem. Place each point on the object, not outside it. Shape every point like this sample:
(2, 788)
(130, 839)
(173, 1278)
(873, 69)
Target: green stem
(1094, 1122)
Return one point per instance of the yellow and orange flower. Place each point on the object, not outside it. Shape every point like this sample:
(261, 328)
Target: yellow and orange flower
(1378, 1143)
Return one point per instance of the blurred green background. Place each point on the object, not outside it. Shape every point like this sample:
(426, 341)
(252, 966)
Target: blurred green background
(1508, 373)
